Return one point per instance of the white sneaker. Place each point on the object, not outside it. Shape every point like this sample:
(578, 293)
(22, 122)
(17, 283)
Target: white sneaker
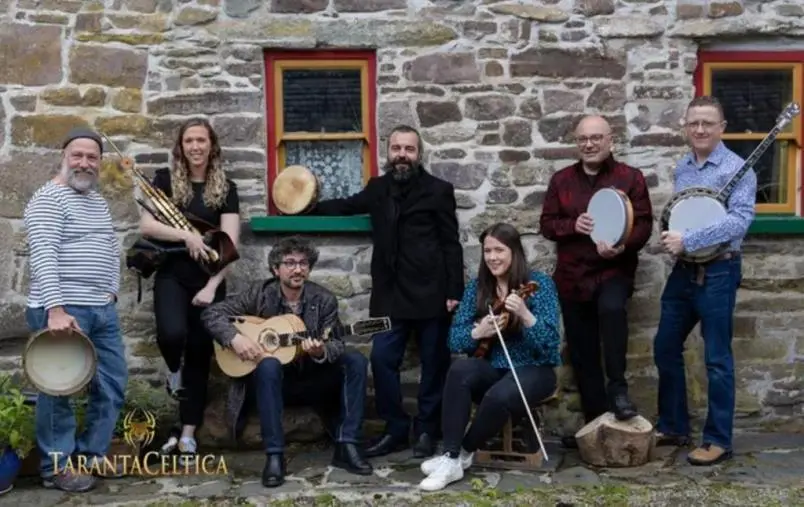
(448, 471)
(431, 465)
(187, 449)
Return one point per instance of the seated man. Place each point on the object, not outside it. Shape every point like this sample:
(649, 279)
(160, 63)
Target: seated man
(324, 374)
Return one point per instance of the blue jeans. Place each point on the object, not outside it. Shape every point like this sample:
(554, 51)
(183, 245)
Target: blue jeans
(685, 302)
(55, 420)
(387, 352)
(340, 386)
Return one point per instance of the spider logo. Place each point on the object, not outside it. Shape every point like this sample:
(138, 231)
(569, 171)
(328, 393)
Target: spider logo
(139, 433)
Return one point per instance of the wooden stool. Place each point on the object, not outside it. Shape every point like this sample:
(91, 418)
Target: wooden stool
(517, 448)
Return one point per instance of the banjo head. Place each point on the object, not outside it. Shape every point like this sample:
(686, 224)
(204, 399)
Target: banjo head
(610, 214)
(695, 212)
(295, 189)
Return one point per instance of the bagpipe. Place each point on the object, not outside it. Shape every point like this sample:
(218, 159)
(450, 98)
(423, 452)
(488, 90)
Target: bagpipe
(146, 255)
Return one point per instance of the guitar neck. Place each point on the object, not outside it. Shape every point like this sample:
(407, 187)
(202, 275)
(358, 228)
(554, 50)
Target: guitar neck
(752, 159)
(317, 334)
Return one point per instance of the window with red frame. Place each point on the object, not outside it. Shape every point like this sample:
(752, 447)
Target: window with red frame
(754, 88)
(321, 115)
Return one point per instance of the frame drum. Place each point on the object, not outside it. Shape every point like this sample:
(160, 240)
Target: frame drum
(295, 190)
(59, 363)
(613, 216)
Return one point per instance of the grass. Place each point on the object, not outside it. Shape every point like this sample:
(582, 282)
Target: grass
(690, 495)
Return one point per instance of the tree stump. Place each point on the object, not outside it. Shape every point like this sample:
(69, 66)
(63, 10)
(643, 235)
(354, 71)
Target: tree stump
(607, 442)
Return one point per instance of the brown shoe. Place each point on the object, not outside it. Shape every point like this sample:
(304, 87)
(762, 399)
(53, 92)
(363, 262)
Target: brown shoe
(708, 454)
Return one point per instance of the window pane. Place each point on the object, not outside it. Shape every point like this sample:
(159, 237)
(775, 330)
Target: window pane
(771, 169)
(753, 99)
(338, 164)
(322, 101)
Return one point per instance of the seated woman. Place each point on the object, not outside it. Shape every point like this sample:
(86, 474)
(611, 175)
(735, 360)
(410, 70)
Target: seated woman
(532, 339)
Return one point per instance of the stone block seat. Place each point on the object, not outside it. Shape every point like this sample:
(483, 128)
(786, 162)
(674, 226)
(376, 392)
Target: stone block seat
(517, 447)
(301, 424)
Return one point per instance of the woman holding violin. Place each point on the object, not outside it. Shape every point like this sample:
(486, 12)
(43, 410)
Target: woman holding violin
(530, 327)
(197, 184)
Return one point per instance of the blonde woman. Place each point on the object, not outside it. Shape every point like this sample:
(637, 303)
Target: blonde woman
(197, 184)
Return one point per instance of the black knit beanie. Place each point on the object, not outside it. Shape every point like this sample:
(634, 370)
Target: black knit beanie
(83, 133)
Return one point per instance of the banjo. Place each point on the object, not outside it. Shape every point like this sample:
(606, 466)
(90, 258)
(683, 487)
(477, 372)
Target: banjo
(295, 190)
(613, 216)
(700, 207)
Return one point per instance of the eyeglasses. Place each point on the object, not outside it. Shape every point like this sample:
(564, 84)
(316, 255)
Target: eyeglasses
(706, 125)
(595, 139)
(294, 264)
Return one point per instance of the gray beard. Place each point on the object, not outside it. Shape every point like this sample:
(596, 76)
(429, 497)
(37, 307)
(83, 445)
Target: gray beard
(81, 185)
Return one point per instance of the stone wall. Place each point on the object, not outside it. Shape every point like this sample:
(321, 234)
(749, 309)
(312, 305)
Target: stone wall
(496, 88)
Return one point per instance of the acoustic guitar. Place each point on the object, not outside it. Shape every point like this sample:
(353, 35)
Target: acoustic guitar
(281, 337)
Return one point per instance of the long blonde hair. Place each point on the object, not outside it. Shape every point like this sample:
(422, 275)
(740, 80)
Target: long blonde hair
(217, 187)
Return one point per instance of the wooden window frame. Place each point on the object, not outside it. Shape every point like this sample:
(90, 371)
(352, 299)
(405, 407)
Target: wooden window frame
(752, 60)
(275, 63)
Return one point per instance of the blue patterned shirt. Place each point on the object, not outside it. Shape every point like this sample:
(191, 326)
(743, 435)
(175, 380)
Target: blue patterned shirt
(715, 173)
(535, 345)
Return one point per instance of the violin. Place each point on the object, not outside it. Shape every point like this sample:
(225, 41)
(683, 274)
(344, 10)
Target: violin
(498, 308)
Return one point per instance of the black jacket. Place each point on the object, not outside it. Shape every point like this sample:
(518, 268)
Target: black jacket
(417, 261)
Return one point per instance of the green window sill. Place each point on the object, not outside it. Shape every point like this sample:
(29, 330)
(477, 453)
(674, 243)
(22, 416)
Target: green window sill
(763, 224)
(309, 223)
(777, 224)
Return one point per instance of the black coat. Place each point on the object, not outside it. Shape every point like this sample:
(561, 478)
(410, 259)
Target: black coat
(417, 262)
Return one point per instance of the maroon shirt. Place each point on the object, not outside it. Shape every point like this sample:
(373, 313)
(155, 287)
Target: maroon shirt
(580, 270)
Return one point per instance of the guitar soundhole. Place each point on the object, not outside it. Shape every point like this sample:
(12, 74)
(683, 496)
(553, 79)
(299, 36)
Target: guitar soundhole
(270, 340)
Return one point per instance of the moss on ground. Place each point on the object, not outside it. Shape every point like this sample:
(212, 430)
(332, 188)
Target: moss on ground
(690, 495)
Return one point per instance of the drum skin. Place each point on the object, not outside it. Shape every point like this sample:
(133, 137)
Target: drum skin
(691, 209)
(295, 190)
(59, 363)
(613, 216)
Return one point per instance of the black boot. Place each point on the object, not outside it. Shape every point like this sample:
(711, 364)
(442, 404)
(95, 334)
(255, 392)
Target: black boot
(386, 445)
(347, 456)
(623, 408)
(273, 475)
(424, 447)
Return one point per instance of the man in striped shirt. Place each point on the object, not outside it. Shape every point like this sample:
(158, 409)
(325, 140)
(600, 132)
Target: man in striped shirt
(75, 278)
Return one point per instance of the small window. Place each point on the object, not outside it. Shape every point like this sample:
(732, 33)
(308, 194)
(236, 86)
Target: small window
(321, 114)
(754, 89)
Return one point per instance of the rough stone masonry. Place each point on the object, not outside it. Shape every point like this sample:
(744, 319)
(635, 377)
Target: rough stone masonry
(495, 86)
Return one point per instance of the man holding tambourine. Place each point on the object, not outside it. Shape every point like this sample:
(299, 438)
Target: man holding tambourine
(598, 211)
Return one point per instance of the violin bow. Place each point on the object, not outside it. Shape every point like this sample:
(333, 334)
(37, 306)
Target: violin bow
(516, 379)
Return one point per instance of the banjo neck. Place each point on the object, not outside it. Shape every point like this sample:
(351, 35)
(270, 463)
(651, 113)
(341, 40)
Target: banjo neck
(792, 110)
(752, 159)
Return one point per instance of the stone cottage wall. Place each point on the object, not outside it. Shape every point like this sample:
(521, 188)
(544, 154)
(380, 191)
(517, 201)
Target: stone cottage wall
(496, 88)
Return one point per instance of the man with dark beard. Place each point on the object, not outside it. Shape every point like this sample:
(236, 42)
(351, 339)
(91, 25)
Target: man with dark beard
(75, 277)
(417, 280)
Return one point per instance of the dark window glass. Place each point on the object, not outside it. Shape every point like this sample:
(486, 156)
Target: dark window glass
(322, 100)
(753, 99)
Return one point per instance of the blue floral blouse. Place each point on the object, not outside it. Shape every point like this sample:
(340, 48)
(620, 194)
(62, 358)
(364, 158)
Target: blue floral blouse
(536, 345)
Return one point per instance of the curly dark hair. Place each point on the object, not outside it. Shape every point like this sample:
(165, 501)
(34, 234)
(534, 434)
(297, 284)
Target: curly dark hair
(293, 244)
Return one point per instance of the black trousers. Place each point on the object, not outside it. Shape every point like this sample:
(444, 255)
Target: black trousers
(596, 330)
(495, 391)
(179, 332)
(387, 352)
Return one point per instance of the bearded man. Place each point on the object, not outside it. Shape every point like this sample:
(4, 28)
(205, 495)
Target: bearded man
(75, 277)
(417, 280)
